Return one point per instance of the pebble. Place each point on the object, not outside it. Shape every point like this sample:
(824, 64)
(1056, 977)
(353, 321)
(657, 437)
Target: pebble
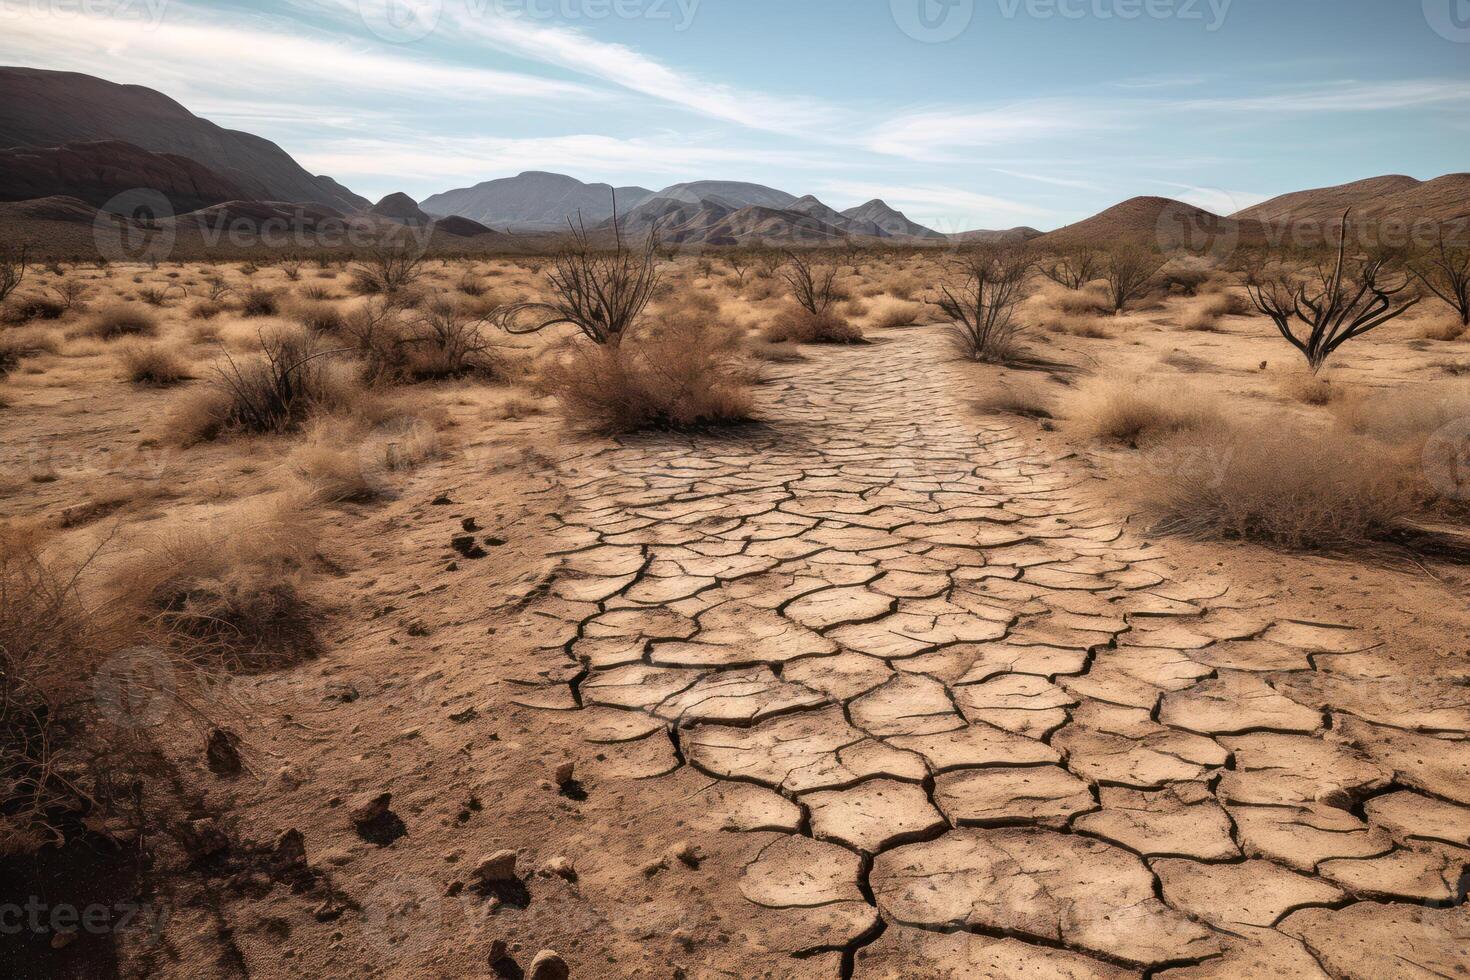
(564, 773)
(560, 867)
(500, 866)
(548, 965)
(369, 807)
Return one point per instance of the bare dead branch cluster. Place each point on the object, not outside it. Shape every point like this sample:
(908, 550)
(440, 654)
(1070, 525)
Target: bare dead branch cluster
(1336, 304)
(1128, 270)
(813, 285)
(1445, 272)
(981, 304)
(600, 292)
(13, 267)
(388, 270)
(1073, 269)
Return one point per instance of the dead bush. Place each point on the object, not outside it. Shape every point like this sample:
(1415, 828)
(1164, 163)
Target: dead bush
(981, 304)
(889, 313)
(446, 340)
(14, 263)
(388, 270)
(29, 308)
(233, 592)
(153, 365)
(1334, 304)
(1442, 328)
(1071, 270)
(356, 459)
(1280, 484)
(801, 326)
(259, 302)
(813, 284)
(121, 320)
(282, 386)
(679, 380)
(1134, 413)
(1129, 270)
(318, 317)
(1307, 388)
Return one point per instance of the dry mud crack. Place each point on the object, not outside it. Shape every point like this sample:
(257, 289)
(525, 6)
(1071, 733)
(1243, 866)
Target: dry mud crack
(1001, 736)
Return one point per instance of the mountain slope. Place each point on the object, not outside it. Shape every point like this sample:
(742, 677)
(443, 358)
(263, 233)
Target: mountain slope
(50, 108)
(709, 222)
(1327, 203)
(811, 206)
(100, 171)
(731, 193)
(400, 207)
(891, 221)
(1024, 233)
(535, 201)
(1157, 221)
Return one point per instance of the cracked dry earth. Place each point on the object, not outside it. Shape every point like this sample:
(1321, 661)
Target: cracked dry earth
(987, 729)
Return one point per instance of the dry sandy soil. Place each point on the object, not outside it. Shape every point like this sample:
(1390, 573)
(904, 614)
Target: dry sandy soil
(881, 686)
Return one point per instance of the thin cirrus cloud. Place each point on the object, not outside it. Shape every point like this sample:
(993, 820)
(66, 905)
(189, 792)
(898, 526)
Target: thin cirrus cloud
(617, 65)
(260, 61)
(927, 134)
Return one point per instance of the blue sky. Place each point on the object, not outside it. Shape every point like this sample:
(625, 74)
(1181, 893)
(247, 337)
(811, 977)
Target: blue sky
(964, 113)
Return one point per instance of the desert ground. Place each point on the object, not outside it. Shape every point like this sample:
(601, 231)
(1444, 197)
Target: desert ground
(917, 671)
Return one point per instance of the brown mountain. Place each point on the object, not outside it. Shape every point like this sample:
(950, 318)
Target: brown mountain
(98, 172)
(402, 208)
(1007, 236)
(711, 223)
(1390, 198)
(1156, 221)
(41, 108)
(894, 222)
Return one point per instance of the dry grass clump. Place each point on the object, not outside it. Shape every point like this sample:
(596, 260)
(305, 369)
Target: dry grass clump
(1087, 326)
(152, 364)
(682, 378)
(278, 389)
(259, 302)
(362, 458)
(784, 352)
(121, 320)
(205, 309)
(1133, 413)
(1080, 302)
(29, 308)
(887, 313)
(318, 316)
(232, 592)
(1308, 388)
(16, 344)
(802, 326)
(1443, 328)
(1282, 485)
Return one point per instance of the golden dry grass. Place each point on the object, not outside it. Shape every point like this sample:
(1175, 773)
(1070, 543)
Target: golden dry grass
(1133, 412)
(801, 327)
(152, 364)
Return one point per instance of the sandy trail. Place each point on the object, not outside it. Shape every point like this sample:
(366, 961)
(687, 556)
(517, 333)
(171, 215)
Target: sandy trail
(995, 732)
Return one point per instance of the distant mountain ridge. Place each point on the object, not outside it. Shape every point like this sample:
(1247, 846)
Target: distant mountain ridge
(1394, 197)
(534, 201)
(40, 108)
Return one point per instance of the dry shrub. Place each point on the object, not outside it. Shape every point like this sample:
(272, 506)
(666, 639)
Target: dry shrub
(1132, 412)
(1199, 320)
(680, 379)
(259, 302)
(1083, 325)
(1401, 418)
(1444, 328)
(1079, 302)
(30, 308)
(1308, 388)
(779, 353)
(514, 409)
(889, 313)
(1223, 301)
(152, 364)
(318, 317)
(232, 592)
(903, 286)
(804, 327)
(357, 459)
(1280, 484)
(275, 390)
(121, 320)
(205, 309)
(16, 344)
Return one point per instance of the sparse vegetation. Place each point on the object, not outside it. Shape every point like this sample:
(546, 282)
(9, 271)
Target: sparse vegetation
(981, 306)
(1341, 301)
(388, 270)
(1128, 270)
(121, 320)
(813, 284)
(14, 263)
(1133, 413)
(797, 325)
(1445, 272)
(1072, 269)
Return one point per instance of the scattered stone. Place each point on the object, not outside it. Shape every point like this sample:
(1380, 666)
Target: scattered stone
(559, 867)
(222, 752)
(686, 854)
(497, 868)
(548, 965)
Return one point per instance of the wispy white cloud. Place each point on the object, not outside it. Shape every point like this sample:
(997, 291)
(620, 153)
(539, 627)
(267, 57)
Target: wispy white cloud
(1071, 182)
(1214, 199)
(932, 133)
(185, 53)
(1345, 96)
